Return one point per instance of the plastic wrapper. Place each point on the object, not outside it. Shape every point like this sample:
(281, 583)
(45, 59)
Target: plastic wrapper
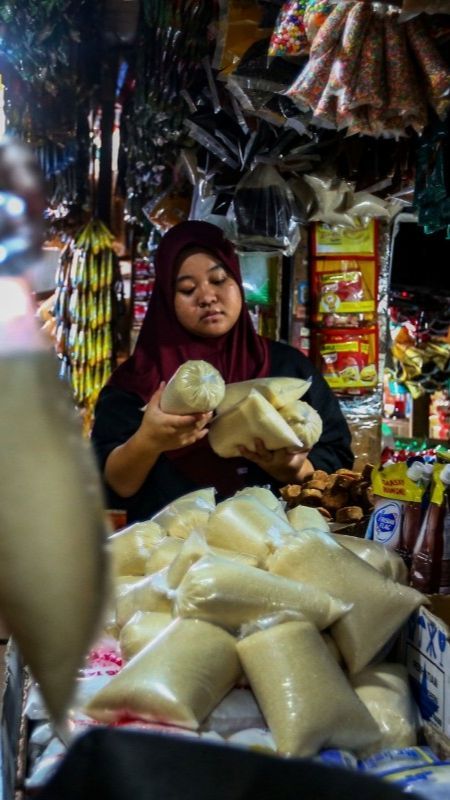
(377, 555)
(411, 8)
(238, 28)
(196, 387)
(289, 36)
(370, 89)
(230, 594)
(304, 421)
(147, 594)
(305, 518)
(384, 690)
(434, 68)
(238, 711)
(244, 524)
(178, 679)
(303, 694)
(333, 199)
(264, 208)
(119, 585)
(193, 549)
(404, 96)
(259, 277)
(252, 418)
(131, 547)
(188, 513)
(254, 739)
(278, 391)
(265, 496)
(141, 629)
(163, 554)
(349, 358)
(395, 760)
(379, 606)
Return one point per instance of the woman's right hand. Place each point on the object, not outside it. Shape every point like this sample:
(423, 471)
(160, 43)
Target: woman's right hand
(171, 431)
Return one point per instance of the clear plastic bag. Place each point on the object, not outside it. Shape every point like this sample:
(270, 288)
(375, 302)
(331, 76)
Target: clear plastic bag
(302, 692)
(252, 418)
(384, 690)
(231, 594)
(265, 212)
(278, 391)
(131, 547)
(147, 594)
(188, 513)
(196, 387)
(245, 524)
(140, 630)
(178, 679)
(379, 606)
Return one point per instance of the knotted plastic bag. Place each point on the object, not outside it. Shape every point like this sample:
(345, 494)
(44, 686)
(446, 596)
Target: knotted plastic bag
(196, 387)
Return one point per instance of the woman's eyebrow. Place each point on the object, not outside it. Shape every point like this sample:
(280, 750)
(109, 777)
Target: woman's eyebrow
(219, 265)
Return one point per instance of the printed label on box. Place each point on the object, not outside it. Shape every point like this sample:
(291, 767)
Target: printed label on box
(428, 664)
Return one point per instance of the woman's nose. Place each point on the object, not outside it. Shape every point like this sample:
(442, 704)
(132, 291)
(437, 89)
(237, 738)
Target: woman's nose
(207, 296)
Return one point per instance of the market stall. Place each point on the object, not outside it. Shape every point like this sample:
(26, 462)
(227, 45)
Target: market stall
(253, 632)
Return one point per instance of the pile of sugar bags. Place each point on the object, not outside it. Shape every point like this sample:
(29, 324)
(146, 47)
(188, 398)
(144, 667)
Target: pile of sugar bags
(211, 596)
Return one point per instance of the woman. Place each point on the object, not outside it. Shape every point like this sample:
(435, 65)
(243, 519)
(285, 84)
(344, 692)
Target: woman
(197, 311)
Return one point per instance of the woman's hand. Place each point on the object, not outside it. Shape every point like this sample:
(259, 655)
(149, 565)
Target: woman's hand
(170, 431)
(284, 465)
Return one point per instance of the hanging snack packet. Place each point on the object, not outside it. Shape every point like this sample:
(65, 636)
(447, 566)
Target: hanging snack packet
(289, 36)
(264, 207)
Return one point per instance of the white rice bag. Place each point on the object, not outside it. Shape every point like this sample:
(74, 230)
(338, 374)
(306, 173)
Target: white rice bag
(196, 387)
(384, 690)
(148, 594)
(244, 524)
(253, 418)
(131, 547)
(302, 692)
(177, 679)
(277, 391)
(187, 513)
(140, 630)
(304, 421)
(377, 555)
(379, 606)
(230, 594)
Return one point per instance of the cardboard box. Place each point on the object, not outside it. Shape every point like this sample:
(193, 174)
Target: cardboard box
(428, 661)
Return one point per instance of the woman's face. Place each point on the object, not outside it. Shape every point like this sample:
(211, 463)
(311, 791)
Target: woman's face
(207, 299)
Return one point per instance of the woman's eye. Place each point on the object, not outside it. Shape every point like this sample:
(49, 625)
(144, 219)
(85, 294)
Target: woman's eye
(219, 281)
(186, 291)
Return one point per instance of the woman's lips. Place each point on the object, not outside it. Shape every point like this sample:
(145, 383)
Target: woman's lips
(211, 316)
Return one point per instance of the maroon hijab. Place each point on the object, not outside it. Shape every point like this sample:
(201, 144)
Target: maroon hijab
(163, 345)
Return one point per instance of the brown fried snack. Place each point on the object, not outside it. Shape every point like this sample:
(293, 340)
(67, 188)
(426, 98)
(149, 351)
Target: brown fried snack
(349, 514)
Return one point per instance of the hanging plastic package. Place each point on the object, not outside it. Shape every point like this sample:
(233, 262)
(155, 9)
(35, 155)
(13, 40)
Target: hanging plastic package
(265, 212)
(289, 36)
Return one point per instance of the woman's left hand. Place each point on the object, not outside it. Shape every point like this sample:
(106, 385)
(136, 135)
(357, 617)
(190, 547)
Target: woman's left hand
(285, 465)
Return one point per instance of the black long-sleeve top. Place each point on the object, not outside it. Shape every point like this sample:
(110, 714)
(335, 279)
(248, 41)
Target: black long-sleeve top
(119, 414)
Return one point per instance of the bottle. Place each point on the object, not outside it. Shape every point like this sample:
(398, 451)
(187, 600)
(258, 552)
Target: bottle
(413, 512)
(444, 580)
(395, 486)
(427, 554)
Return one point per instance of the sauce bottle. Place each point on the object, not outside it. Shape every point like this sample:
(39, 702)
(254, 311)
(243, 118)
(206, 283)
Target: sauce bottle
(413, 512)
(427, 554)
(444, 580)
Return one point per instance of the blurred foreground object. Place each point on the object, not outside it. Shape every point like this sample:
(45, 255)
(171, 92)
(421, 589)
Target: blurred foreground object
(52, 529)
